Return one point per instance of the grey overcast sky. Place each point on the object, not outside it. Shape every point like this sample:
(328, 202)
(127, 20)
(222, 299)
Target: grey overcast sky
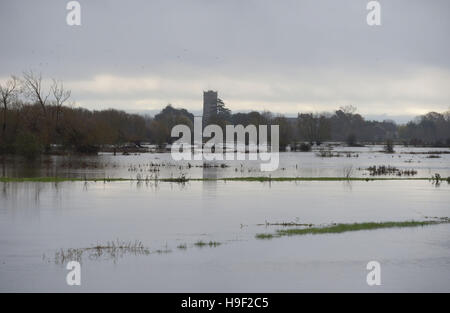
(284, 56)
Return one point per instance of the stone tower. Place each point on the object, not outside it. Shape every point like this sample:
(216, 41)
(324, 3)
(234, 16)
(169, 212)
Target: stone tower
(209, 106)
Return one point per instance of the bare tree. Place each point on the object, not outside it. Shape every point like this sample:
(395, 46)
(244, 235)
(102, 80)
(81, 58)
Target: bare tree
(33, 84)
(348, 109)
(7, 92)
(61, 95)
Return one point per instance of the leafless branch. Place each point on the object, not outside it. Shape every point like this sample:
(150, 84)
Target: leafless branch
(59, 93)
(33, 84)
(7, 92)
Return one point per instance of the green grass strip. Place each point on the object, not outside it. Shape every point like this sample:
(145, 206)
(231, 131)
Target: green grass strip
(283, 179)
(342, 228)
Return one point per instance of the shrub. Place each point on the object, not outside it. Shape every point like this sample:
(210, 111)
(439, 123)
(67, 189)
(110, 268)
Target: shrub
(87, 149)
(28, 146)
(304, 147)
(351, 140)
(389, 146)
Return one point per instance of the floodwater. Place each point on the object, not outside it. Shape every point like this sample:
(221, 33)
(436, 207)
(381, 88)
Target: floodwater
(353, 161)
(39, 219)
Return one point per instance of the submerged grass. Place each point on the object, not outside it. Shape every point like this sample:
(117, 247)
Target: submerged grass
(341, 228)
(264, 236)
(285, 224)
(112, 250)
(211, 244)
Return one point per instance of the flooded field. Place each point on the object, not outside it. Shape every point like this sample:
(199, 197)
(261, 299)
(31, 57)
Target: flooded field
(202, 235)
(336, 161)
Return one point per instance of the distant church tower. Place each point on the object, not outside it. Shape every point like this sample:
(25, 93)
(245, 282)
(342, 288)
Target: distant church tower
(210, 99)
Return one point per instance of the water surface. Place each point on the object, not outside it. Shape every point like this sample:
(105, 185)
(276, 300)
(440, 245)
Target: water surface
(38, 219)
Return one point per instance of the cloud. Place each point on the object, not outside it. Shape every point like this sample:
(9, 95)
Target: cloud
(285, 56)
(413, 92)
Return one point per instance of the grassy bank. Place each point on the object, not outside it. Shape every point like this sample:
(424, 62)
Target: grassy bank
(185, 180)
(342, 228)
(282, 179)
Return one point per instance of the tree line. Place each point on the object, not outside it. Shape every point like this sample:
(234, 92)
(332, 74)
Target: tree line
(36, 120)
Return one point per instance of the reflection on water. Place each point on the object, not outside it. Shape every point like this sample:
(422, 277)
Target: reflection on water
(3, 161)
(210, 170)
